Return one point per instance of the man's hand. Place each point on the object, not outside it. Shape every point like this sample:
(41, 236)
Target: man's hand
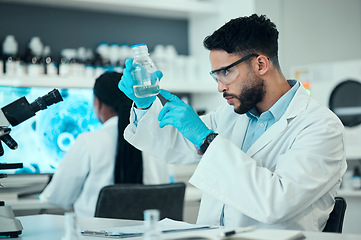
(182, 116)
(126, 86)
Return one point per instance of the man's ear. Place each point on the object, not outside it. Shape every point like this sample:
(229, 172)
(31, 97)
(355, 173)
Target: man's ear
(262, 65)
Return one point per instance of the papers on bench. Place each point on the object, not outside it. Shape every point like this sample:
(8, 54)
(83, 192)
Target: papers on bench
(166, 226)
(171, 226)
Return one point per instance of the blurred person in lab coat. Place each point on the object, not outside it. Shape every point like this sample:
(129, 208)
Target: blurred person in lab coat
(271, 157)
(102, 157)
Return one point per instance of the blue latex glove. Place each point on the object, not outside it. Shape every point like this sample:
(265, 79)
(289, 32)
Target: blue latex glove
(126, 85)
(182, 116)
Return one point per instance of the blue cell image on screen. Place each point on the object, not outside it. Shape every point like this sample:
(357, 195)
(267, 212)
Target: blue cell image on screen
(44, 139)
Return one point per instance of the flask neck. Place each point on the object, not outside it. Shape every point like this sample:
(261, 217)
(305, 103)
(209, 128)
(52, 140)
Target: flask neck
(140, 50)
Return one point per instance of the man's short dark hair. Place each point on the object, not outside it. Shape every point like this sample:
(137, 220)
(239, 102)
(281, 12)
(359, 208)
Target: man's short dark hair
(246, 35)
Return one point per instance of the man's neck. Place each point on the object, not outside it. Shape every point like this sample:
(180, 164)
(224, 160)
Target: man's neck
(276, 87)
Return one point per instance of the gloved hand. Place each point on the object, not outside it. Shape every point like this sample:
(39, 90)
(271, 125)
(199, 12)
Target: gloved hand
(182, 116)
(7, 139)
(126, 85)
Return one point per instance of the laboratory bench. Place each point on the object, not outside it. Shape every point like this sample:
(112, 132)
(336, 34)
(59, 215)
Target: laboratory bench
(39, 227)
(32, 206)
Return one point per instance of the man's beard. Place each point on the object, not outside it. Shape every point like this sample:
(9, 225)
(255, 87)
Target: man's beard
(250, 95)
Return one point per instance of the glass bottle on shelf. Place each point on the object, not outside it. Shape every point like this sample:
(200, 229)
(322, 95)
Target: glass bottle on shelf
(50, 66)
(1, 63)
(10, 51)
(80, 61)
(124, 52)
(67, 61)
(1, 66)
(89, 64)
(114, 58)
(102, 52)
(33, 57)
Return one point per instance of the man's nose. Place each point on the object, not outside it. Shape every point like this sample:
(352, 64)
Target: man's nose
(222, 87)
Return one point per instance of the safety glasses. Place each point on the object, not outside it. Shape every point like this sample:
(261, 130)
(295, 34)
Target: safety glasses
(226, 74)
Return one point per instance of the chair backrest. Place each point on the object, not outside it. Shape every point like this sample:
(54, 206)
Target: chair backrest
(335, 220)
(128, 201)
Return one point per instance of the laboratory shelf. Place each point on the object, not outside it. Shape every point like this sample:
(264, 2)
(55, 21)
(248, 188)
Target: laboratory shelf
(175, 9)
(47, 81)
(191, 86)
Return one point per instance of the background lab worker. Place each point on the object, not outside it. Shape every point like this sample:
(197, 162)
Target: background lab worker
(101, 157)
(271, 157)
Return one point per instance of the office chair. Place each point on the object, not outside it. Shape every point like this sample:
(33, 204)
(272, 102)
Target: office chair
(335, 220)
(128, 201)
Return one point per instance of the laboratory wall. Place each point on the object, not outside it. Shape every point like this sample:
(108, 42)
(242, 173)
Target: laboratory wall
(315, 31)
(72, 28)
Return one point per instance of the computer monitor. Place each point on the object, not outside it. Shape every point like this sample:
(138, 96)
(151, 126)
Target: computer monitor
(44, 139)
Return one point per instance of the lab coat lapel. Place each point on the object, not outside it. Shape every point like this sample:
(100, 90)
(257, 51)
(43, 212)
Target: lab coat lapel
(297, 105)
(240, 130)
(273, 132)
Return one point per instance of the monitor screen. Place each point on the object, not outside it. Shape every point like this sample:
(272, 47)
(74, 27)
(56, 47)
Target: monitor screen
(44, 139)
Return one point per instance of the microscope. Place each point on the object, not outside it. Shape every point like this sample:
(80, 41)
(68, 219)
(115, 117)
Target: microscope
(13, 114)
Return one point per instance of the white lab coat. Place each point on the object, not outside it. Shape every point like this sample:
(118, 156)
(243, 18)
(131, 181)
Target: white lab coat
(88, 166)
(287, 179)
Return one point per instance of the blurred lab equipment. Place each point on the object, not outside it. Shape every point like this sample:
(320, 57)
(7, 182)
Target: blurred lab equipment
(337, 85)
(10, 55)
(14, 114)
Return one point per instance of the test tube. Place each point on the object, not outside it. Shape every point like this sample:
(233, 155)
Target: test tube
(151, 228)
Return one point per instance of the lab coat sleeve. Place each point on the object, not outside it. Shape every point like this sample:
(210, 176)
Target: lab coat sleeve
(67, 181)
(311, 164)
(165, 143)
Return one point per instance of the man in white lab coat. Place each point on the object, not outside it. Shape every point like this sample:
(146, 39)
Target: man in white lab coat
(271, 157)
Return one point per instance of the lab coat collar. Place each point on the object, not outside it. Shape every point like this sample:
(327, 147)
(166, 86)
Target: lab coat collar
(280, 107)
(297, 105)
(111, 121)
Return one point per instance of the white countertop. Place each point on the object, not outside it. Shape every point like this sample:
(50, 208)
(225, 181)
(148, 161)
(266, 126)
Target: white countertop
(41, 227)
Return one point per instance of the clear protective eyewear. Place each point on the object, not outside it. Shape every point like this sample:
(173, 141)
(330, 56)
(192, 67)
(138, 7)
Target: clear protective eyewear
(225, 74)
